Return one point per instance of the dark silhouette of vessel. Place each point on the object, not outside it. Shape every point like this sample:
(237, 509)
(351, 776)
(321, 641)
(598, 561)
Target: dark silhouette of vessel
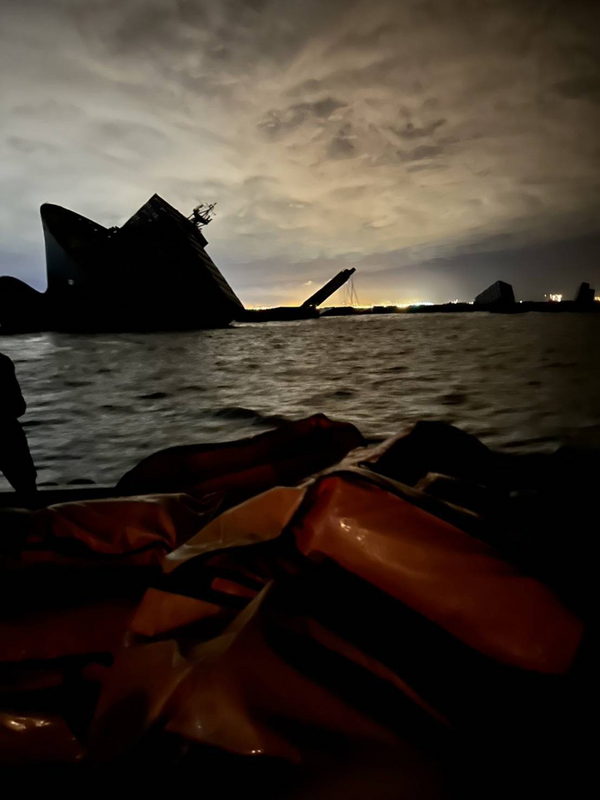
(152, 273)
(585, 295)
(498, 294)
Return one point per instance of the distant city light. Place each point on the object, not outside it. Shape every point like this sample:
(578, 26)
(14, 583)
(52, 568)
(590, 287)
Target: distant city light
(597, 299)
(554, 298)
(423, 303)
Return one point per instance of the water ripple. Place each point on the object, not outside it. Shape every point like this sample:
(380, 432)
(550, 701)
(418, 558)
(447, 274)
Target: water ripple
(98, 404)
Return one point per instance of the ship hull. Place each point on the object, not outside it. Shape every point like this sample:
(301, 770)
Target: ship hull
(151, 274)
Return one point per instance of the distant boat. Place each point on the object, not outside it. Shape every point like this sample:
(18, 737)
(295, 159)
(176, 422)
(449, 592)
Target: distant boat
(152, 273)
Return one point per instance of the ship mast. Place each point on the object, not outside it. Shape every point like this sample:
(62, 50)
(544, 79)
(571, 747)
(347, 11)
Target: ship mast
(202, 214)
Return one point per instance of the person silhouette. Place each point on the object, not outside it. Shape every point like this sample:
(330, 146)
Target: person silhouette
(15, 459)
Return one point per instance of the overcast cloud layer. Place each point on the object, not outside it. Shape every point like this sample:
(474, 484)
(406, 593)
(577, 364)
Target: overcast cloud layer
(435, 144)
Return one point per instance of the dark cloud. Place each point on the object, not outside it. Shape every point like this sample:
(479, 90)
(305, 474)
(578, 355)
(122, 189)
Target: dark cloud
(421, 152)
(366, 40)
(135, 138)
(29, 145)
(278, 122)
(260, 180)
(427, 167)
(50, 109)
(341, 146)
(586, 88)
(412, 131)
(306, 88)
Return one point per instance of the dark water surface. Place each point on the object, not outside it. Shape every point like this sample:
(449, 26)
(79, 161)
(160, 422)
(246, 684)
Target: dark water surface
(97, 404)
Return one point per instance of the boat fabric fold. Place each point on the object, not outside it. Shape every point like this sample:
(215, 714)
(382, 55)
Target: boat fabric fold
(294, 613)
(353, 562)
(246, 467)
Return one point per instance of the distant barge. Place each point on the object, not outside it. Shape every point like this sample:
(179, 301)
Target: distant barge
(499, 298)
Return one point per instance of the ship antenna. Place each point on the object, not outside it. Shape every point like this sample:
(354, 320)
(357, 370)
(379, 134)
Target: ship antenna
(202, 214)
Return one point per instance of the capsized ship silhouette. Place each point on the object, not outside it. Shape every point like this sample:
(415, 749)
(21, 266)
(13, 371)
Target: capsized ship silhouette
(152, 273)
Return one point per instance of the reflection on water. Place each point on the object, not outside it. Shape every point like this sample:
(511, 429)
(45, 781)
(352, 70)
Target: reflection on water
(100, 403)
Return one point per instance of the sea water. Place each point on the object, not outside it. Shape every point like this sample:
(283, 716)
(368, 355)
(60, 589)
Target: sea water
(97, 404)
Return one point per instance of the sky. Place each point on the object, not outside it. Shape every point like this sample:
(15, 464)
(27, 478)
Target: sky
(435, 145)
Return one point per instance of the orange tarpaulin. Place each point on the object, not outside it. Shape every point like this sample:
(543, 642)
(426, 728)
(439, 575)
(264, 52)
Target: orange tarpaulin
(333, 621)
(206, 688)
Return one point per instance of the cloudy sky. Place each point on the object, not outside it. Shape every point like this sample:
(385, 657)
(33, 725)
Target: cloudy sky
(436, 145)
